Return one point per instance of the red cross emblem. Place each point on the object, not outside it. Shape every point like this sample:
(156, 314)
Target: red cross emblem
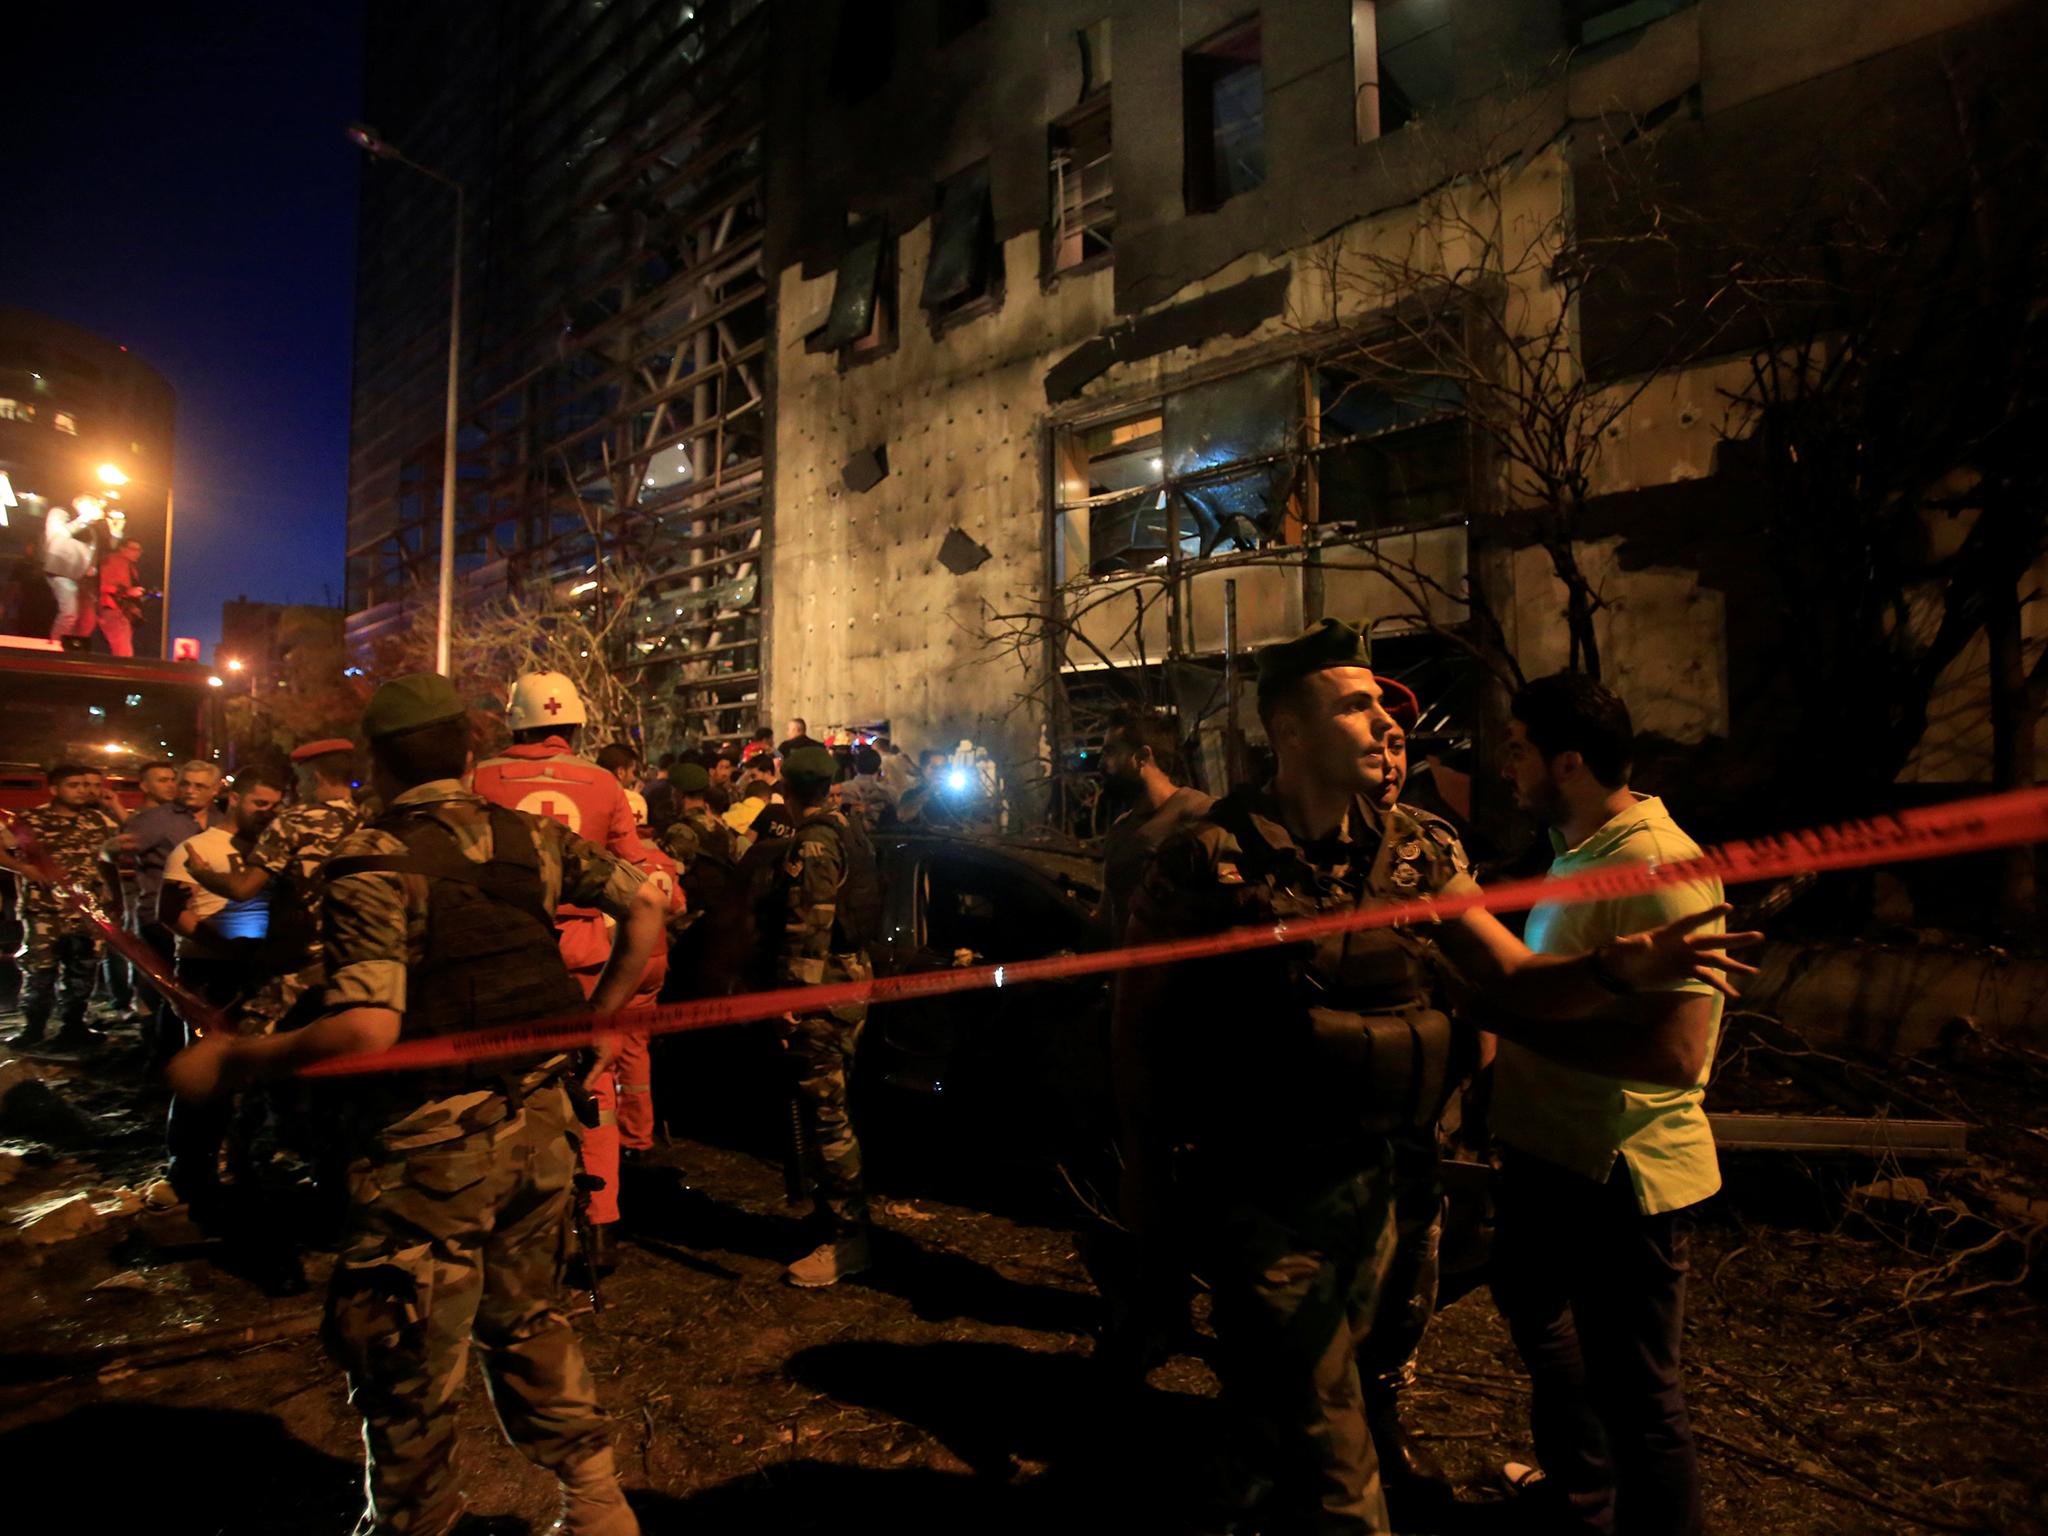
(553, 705)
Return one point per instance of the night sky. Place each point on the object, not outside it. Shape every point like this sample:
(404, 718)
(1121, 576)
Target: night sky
(176, 180)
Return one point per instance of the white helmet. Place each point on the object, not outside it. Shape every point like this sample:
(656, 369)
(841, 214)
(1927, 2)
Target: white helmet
(544, 699)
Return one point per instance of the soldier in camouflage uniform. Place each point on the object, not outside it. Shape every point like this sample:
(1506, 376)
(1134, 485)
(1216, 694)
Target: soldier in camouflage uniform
(828, 861)
(461, 1188)
(697, 833)
(286, 861)
(60, 951)
(1259, 1092)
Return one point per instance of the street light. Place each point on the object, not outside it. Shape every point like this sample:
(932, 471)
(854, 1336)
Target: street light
(367, 138)
(110, 474)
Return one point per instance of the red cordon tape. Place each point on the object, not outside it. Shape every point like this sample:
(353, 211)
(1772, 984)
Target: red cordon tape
(1967, 826)
(201, 1015)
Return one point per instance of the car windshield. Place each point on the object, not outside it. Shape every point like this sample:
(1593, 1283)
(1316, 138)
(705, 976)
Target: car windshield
(107, 722)
(997, 912)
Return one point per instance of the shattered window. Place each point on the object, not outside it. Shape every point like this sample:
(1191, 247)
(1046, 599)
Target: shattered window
(1251, 419)
(1224, 93)
(1113, 473)
(965, 267)
(1245, 462)
(1083, 187)
(860, 318)
(1394, 449)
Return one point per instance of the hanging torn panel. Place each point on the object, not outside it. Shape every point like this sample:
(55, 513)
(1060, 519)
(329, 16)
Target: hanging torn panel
(853, 296)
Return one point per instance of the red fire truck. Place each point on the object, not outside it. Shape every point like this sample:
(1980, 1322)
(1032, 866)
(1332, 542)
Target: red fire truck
(111, 712)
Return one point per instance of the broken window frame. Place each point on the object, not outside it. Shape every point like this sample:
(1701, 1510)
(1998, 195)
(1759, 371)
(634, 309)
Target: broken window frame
(1211, 144)
(858, 271)
(1298, 511)
(963, 227)
(1090, 232)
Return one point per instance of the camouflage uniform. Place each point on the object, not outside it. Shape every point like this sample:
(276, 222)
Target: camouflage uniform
(460, 1195)
(1284, 1188)
(291, 850)
(822, 1045)
(696, 834)
(60, 951)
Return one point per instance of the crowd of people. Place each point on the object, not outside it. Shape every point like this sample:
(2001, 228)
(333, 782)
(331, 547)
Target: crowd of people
(1279, 1109)
(78, 576)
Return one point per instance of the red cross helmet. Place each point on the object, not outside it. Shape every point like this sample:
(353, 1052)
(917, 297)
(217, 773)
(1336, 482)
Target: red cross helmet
(544, 699)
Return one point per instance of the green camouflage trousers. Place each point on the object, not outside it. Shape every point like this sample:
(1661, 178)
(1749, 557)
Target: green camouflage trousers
(1296, 1274)
(821, 1048)
(59, 962)
(448, 1245)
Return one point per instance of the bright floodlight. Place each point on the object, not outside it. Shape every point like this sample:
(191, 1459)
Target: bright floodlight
(110, 474)
(959, 781)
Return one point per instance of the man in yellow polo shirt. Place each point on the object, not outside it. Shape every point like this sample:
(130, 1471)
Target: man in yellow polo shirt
(1604, 1139)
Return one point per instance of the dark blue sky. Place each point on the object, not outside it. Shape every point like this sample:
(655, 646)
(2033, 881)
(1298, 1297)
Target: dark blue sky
(176, 180)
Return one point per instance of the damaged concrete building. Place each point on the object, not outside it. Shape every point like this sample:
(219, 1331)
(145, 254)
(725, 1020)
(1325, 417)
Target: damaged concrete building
(1108, 330)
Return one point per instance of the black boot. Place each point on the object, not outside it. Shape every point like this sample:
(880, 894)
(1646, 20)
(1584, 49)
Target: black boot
(30, 1034)
(1418, 1493)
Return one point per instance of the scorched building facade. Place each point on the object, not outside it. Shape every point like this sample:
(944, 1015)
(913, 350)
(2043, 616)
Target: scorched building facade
(1115, 338)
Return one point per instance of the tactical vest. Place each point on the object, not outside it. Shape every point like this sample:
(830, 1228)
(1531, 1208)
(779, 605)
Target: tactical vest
(490, 956)
(857, 920)
(1378, 1055)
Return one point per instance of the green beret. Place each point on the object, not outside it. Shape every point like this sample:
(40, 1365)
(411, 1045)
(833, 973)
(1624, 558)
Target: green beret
(810, 765)
(1324, 644)
(689, 778)
(411, 702)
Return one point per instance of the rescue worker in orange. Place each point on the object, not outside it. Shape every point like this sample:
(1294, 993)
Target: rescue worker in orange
(542, 773)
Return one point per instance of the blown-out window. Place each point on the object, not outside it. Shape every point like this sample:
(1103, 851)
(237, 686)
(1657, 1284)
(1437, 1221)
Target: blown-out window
(1250, 461)
(1224, 93)
(1083, 186)
(964, 273)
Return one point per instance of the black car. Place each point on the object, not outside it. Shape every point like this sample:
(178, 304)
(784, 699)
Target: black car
(1029, 1065)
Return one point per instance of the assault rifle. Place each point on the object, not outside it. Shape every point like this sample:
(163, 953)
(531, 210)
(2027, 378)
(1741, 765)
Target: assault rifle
(585, 1106)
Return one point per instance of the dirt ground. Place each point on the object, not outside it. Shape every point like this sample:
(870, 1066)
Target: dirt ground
(148, 1382)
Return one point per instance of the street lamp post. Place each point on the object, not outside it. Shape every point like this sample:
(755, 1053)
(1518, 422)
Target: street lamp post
(366, 137)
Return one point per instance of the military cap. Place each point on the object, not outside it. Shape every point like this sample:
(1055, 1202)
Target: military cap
(689, 778)
(325, 747)
(810, 765)
(411, 703)
(1324, 644)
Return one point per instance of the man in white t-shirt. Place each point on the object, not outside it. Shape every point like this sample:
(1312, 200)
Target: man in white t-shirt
(208, 928)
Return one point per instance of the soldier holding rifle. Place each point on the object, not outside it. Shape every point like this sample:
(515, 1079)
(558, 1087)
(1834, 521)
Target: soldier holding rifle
(439, 919)
(1260, 1092)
